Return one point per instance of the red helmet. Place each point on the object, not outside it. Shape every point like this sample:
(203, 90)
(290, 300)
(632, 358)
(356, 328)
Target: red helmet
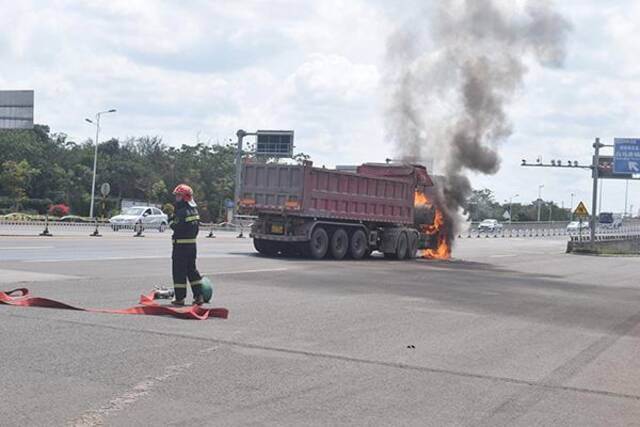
(184, 191)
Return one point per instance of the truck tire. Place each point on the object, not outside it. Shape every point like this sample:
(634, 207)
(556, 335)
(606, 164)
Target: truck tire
(339, 243)
(358, 244)
(265, 247)
(402, 247)
(319, 243)
(259, 245)
(413, 246)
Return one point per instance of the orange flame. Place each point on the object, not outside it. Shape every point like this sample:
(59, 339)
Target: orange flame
(438, 228)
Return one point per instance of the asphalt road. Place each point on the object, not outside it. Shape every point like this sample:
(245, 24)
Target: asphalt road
(509, 332)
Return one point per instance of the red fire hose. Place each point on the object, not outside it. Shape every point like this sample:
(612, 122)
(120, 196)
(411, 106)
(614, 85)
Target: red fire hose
(21, 298)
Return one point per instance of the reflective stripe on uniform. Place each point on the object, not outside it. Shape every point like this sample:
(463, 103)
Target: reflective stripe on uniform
(196, 283)
(184, 241)
(192, 218)
(180, 285)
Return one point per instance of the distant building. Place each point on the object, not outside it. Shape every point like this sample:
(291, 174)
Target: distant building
(16, 109)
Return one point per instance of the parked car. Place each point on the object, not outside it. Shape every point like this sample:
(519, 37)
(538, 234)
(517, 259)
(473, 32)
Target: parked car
(577, 226)
(17, 216)
(75, 218)
(610, 220)
(489, 226)
(148, 216)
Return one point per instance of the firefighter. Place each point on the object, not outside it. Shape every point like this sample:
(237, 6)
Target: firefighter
(185, 226)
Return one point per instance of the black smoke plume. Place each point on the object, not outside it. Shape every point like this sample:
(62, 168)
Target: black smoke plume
(452, 73)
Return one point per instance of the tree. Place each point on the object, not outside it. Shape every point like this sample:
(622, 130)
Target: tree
(158, 190)
(482, 205)
(15, 179)
(300, 158)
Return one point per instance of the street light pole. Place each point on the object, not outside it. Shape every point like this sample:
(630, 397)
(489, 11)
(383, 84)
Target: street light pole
(594, 197)
(95, 156)
(540, 187)
(571, 206)
(626, 197)
(511, 207)
(239, 152)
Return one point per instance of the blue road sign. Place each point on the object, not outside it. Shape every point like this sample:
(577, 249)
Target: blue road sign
(626, 155)
(228, 203)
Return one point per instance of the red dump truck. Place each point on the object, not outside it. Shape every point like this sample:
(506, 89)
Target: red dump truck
(316, 212)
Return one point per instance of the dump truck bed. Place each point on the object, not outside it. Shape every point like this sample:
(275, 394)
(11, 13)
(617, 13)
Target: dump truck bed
(306, 191)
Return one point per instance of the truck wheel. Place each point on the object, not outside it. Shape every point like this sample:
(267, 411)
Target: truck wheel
(413, 246)
(319, 243)
(339, 243)
(358, 244)
(259, 245)
(265, 247)
(402, 246)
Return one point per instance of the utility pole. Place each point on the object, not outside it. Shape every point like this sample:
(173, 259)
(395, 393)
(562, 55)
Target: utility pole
(571, 206)
(600, 203)
(511, 207)
(626, 197)
(594, 199)
(236, 196)
(539, 199)
(239, 151)
(95, 156)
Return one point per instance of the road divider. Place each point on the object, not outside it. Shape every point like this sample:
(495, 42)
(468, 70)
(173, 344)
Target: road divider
(49, 228)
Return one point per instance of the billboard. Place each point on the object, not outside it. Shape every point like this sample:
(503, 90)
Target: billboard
(274, 143)
(605, 169)
(16, 109)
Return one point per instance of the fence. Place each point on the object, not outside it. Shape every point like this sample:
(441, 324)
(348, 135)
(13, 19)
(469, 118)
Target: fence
(545, 229)
(49, 228)
(513, 230)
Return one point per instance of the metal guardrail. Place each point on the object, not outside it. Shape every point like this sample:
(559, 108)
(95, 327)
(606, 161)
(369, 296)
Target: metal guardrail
(609, 236)
(49, 228)
(513, 230)
(541, 231)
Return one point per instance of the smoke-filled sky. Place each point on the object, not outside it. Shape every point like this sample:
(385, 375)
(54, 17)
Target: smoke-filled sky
(199, 70)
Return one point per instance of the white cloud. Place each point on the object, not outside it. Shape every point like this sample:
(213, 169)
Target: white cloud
(201, 69)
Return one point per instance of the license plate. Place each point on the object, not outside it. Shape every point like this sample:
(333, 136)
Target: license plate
(277, 229)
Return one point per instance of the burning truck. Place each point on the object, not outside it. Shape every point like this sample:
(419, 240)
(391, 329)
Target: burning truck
(318, 212)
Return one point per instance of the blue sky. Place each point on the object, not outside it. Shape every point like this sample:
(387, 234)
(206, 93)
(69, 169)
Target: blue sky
(199, 70)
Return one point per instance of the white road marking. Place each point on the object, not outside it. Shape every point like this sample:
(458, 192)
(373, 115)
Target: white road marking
(122, 402)
(22, 248)
(503, 256)
(97, 258)
(264, 270)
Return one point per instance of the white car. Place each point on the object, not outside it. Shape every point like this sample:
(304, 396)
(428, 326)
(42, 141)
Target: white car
(148, 216)
(576, 226)
(489, 226)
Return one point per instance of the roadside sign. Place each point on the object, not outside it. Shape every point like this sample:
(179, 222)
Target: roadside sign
(274, 143)
(105, 189)
(581, 211)
(626, 155)
(605, 169)
(506, 215)
(229, 204)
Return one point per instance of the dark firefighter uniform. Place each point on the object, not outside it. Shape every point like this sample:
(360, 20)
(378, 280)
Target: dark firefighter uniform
(185, 226)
